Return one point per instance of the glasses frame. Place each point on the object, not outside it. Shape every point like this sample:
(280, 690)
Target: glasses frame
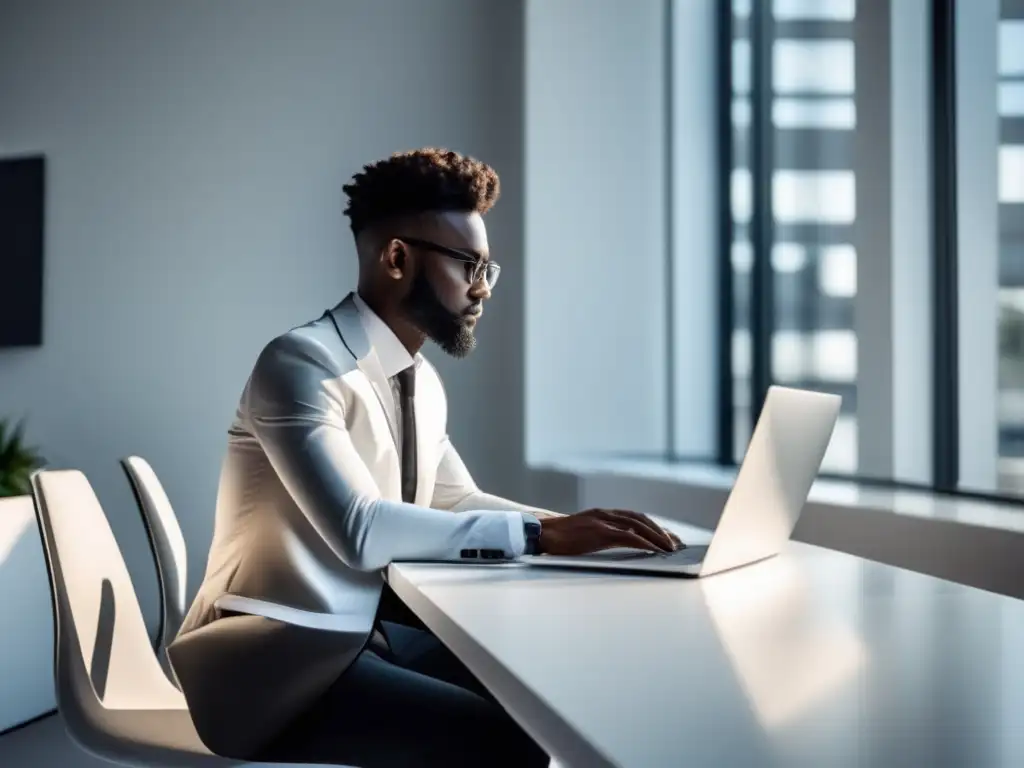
(481, 266)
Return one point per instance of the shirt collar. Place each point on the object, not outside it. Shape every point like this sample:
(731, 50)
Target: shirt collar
(393, 355)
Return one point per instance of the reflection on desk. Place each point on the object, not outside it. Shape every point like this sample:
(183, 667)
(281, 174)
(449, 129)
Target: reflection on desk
(787, 654)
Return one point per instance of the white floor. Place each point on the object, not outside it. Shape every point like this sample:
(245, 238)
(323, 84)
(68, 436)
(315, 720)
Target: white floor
(44, 744)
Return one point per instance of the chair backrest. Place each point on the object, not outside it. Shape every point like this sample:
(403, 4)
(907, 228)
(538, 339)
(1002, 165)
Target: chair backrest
(103, 657)
(167, 545)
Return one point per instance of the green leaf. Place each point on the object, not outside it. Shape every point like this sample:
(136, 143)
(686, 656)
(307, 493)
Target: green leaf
(17, 460)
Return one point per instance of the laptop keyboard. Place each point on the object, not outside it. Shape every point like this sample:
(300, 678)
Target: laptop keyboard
(685, 555)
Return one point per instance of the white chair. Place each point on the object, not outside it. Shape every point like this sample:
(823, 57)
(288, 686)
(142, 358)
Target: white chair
(113, 696)
(169, 553)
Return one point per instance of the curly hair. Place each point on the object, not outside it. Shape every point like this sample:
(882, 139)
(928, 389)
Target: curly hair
(420, 181)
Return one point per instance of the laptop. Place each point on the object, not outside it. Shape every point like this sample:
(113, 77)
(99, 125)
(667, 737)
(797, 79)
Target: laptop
(782, 461)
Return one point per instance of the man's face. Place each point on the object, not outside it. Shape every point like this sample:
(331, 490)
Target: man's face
(442, 300)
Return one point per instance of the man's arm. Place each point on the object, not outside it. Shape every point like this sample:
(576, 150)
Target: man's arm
(588, 531)
(296, 413)
(455, 490)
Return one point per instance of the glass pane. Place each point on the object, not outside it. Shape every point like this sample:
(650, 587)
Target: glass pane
(814, 206)
(808, 66)
(789, 257)
(1011, 48)
(741, 192)
(1011, 390)
(1010, 406)
(741, 8)
(742, 257)
(814, 113)
(813, 197)
(1011, 99)
(741, 74)
(741, 113)
(826, 10)
(837, 271)
(1011, 173)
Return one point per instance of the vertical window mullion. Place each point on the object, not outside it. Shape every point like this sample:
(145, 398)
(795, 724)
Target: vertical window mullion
(762, 218)
(726, 288)
(946, 418)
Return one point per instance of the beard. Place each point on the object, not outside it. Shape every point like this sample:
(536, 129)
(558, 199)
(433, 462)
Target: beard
(424, 309)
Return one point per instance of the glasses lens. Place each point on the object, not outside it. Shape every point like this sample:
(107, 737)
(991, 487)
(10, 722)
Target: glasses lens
(491, 274)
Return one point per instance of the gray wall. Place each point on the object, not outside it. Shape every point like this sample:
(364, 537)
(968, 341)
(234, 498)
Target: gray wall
(595, 211)
(196, 154)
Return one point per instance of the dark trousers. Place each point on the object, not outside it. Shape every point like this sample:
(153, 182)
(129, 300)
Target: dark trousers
(406, 702)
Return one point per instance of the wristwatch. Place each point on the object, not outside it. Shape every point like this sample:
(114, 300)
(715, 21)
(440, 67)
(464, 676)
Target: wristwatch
(531, 529)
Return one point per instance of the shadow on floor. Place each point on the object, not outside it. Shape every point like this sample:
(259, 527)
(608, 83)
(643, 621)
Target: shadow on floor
(44, 744)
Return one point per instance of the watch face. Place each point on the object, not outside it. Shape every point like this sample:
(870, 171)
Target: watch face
(531, 528)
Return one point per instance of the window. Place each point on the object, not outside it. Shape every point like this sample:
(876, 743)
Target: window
(851, 220)
(830, 266)
(876, 207)
(813, 206)
(807, 118)
(989, 189)
(1009, 103)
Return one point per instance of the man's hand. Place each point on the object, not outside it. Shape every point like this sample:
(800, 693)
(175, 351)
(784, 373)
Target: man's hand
(595, 529)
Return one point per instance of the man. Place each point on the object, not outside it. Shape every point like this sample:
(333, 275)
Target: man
(338, 463)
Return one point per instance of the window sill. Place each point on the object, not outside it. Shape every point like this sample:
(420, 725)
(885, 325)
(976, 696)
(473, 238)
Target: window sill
(920, 504)
(970, 541)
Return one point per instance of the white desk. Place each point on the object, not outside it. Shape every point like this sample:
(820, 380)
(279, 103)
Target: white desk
(814, 658)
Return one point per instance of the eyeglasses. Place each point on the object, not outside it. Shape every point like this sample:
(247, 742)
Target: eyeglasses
(476, 267)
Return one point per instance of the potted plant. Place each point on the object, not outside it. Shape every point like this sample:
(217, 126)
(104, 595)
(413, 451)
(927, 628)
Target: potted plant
(17, 460)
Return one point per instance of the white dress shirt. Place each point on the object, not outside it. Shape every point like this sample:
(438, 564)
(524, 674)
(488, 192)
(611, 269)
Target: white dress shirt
(394, 357)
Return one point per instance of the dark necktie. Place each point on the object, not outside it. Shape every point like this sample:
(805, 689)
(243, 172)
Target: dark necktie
(407, 394)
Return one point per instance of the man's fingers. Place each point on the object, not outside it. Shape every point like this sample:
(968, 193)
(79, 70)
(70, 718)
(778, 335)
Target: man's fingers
(613, 534)
(643, 526)
(674, 541)
(644, 531)
(626, 538)
(631, 529)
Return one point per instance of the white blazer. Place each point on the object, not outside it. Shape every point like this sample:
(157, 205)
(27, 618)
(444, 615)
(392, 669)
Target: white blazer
(309, 513)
